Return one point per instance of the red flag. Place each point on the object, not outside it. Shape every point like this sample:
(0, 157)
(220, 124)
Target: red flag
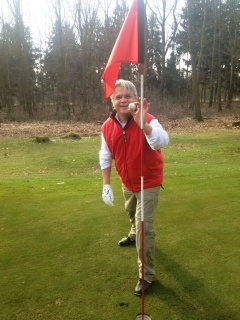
(128, 48)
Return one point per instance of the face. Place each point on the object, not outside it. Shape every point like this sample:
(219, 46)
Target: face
(121, 100)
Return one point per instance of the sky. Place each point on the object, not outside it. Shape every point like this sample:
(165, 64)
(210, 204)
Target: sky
(37, 14)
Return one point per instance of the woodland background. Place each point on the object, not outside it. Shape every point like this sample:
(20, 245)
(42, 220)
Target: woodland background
(192, 59)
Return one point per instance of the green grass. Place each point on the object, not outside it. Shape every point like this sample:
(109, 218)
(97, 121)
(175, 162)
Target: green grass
(58, 241)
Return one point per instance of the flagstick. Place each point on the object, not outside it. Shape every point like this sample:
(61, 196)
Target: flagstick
(142, 186)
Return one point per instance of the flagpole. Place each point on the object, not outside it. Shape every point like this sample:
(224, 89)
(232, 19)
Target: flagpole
(142, 184)
(141, 60)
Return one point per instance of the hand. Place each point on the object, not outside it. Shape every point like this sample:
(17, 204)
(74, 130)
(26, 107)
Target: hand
(137, 113)
(107, 195)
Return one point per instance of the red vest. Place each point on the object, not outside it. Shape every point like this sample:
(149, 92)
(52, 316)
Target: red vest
(125, 146)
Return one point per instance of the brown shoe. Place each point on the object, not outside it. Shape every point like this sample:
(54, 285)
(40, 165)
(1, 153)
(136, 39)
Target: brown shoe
(127, 241)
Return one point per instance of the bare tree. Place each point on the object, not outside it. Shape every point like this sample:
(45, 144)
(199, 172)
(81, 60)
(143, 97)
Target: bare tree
(219, 71)
(165, 16)
(194, 61)
(214, 49)
(90, 39)
(234, 48)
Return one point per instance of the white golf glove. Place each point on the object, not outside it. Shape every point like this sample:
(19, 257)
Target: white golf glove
(107, 195)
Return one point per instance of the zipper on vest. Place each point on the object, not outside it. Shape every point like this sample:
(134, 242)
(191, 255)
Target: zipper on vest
(124, 136)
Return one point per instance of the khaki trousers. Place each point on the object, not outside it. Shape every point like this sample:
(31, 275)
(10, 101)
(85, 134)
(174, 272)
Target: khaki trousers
(133, 208)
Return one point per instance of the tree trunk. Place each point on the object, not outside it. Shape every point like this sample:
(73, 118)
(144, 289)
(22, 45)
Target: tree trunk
(195, 76)
(233, 52)
(163, 60)
(212, 75)
(219, 80)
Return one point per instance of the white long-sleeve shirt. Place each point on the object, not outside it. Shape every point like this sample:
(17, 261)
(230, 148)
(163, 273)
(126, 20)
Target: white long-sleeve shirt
(157, 139)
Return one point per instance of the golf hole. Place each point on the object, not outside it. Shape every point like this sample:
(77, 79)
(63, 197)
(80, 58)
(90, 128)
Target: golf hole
(140, 317)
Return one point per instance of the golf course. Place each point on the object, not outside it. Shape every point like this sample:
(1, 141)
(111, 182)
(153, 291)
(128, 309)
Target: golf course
(60, 258)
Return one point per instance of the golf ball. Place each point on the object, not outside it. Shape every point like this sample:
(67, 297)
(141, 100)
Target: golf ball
(132, 106)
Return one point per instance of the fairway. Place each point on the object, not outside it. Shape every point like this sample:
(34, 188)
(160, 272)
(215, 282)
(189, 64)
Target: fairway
(58, 240)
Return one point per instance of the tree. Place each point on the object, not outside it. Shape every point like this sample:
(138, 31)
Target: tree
(61, 64)
(154, 53)
(67, 75)
(195, 62)
(219, 69)
(233, 32)
(6, 72)
(160, 17)
(22, 61)
(91, 53)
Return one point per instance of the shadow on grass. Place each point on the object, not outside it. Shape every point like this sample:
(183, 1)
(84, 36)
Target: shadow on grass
(188, 297)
